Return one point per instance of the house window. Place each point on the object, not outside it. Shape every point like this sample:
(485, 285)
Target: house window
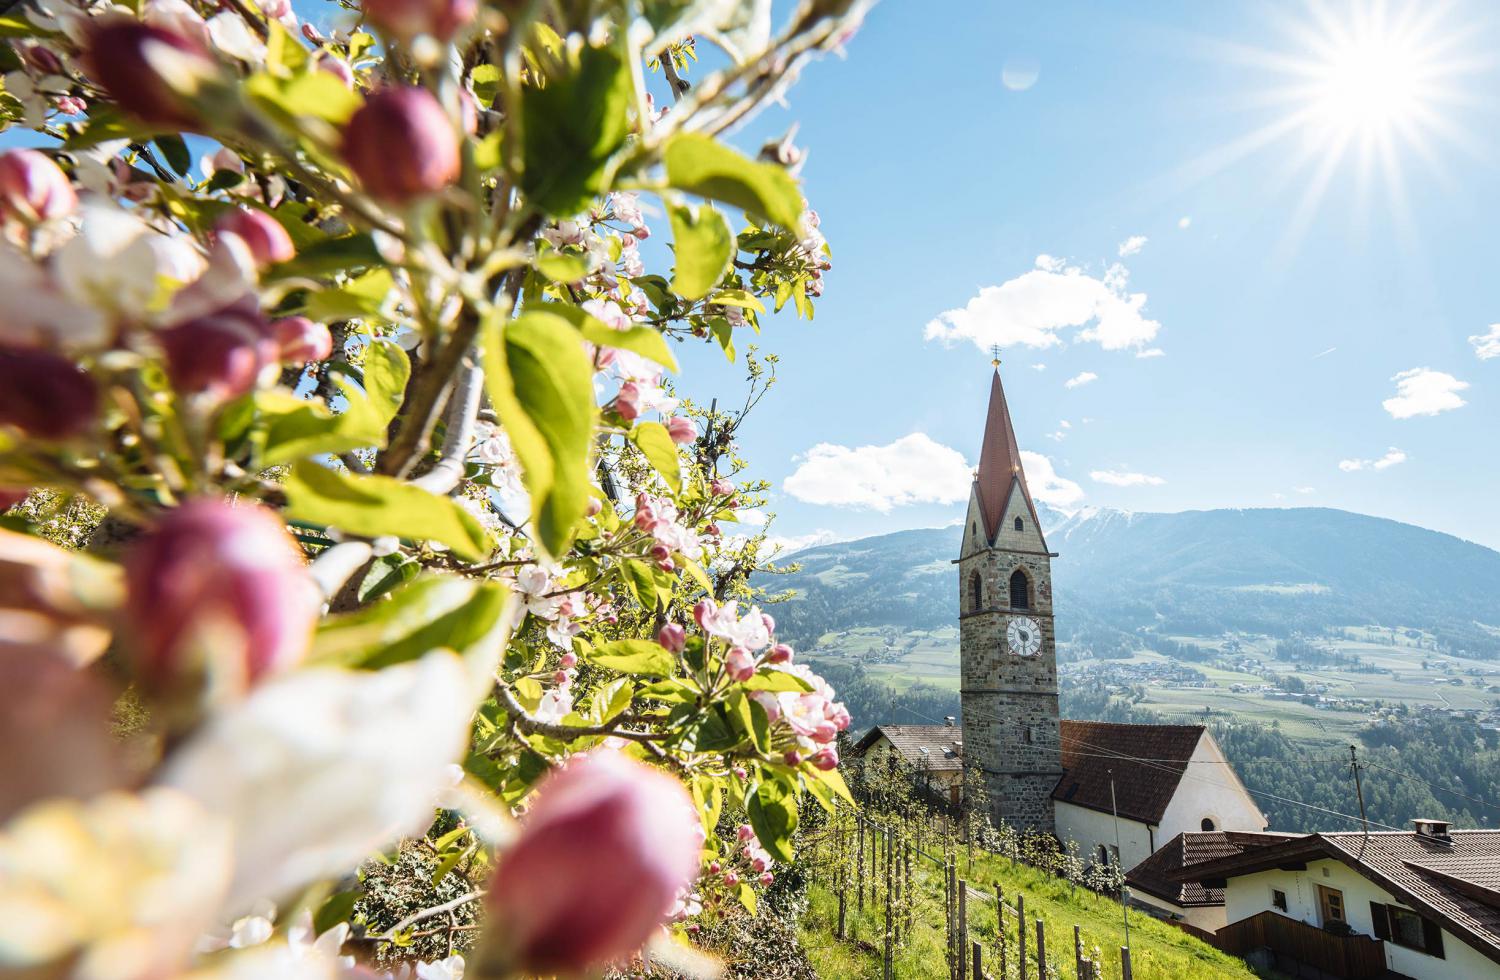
(1406, 928)
(1020, 590)
(1278, 899)
(1108, 856)
(976, 589)
(1208, 825)
(1019, 525)
(1331, 904)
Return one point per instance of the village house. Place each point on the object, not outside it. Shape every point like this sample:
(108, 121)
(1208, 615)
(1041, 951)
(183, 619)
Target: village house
(1423, 904)
(932, 753)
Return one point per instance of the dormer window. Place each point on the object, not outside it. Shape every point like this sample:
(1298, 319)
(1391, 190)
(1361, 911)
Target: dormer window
(1019, 525)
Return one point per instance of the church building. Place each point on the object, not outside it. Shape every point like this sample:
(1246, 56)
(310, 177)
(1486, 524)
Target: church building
(1116, 792)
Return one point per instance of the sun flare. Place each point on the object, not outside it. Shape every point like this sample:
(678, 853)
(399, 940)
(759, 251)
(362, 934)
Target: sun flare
(1372, 83)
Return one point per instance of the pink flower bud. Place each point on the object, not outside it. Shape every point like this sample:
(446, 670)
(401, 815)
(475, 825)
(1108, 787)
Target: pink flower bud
(826, 758)
(568, 660)
(780, 654)
(792, 757)
(71, 105)
(673, 637)
(299, 340)
(731, 879)
(770, 623)
(713, 531)
(335, 66)
(721, 487)
(599, 863)
(562, 678)
(401, 145)
(217, 590)
(744, 832)
(595, 505)
(262, 234)
(741, 774)
(681, 429)
(714, 867)
(704, 610)
(311, 33)
(666, 565)
(123, 54)
(222, 354)
(660, 552)
(740, 664)
(33, 188)
(628, 401)
(45, 395)
(42, 59)
(645, 517)
(406, 19)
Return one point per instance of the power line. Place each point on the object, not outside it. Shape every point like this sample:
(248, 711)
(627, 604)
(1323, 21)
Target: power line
(1123, 757)
(1432, 786)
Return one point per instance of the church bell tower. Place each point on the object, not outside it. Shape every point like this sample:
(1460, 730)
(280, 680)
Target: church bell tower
(1007, 655)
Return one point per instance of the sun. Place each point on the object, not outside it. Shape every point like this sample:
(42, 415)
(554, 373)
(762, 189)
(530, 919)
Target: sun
(1354, 92)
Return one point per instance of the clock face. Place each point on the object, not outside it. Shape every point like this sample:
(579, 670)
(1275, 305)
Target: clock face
(1024, 636)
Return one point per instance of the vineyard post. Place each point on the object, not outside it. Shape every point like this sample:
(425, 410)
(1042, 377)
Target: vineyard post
(1125, 963)
(978, 961)
(843, 882)
(890, 962)
(1000, 925)
(1041, 949)
(859, 870)
(1021, 935)
(910, 904)
(1077, 953)
(963, 928)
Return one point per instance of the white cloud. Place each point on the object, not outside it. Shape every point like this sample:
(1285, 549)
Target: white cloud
(1324, 353)
(1122, 478)
(1032, 309)
(1066, 424)
(1185, 221)
(1487, 345)
(1151, 352)
(1306, 490)
(801, 542)
(1392, 457)
(1423, 391)
(1079, 380)
(1045, 484)
(1039, 367)
(1132, 246)
(912, 470)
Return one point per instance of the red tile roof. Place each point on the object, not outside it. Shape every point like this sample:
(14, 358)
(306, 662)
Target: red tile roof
(1000, 471)
(1144, 783)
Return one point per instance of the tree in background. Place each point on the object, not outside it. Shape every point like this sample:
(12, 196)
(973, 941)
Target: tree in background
(340, 350)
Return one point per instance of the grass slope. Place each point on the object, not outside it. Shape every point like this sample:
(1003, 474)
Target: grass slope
(1158, 949)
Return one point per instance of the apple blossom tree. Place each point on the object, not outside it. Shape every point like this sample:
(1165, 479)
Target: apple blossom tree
(345, 344)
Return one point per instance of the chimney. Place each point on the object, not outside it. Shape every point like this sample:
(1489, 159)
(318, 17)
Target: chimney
(1436, 829)
(949, 720)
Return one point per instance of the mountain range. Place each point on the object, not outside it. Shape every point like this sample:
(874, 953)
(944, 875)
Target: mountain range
(1198, 573)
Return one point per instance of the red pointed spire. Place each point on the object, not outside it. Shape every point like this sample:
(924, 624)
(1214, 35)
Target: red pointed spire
(999, 461)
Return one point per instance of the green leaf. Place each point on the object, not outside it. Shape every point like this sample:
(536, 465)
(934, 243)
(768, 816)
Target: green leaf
(699, 576)
(835, 781)
(643, 657)
(360, 297)
(174, 150)
(746, 896)
(776, 681)
(486, 79)
(562, 268)
(704, 247)
(312, 93)
(337, 908)
(296, 428)
(386, 372)
(645, 341)
(324, 257)
(773, 814)
(103, 125)
(572, 125)
(541, 383)
(737, 297)
(432, 612)
(374, 506)
(700, 165)
(656, 445)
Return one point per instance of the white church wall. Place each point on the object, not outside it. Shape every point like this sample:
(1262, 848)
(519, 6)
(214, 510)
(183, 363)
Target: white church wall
(1088, 829)
(1209, 789)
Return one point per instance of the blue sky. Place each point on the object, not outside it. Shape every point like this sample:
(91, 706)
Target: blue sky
(1290, 285)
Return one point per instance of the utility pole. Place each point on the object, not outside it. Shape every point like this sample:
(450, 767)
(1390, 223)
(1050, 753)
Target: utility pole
(1358, 790)
(1124, 896)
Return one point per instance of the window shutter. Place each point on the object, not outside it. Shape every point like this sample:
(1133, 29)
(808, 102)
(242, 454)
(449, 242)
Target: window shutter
(1432, 938)
(1382, 923)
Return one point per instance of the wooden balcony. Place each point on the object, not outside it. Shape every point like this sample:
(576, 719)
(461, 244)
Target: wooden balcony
(1303, 949)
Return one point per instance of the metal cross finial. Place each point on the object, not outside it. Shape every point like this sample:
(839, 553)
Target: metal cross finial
(995, 354)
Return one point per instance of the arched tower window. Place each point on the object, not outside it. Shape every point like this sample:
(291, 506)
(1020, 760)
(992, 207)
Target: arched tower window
(976, 591)
(1020, 590)
(1019, 525)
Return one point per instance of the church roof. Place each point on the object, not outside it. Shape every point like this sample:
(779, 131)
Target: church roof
(1000, 472)
(935, 748)
(1146, 763)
